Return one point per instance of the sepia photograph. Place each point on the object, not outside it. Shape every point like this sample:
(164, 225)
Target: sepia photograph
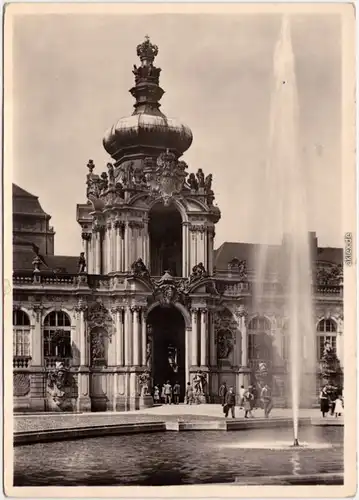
(179, 255)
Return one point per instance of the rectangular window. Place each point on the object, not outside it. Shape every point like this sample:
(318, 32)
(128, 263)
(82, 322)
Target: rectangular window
(21, 342)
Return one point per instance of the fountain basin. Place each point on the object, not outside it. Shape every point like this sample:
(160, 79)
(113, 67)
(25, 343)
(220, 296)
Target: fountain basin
(175, 458)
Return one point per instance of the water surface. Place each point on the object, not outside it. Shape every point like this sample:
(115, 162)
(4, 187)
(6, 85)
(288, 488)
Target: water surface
(174, 458)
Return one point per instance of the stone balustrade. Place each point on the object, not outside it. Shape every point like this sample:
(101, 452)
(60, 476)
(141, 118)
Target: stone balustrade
(20, 362)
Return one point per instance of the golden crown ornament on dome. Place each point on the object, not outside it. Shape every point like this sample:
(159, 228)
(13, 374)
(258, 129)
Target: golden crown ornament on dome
(147, 51)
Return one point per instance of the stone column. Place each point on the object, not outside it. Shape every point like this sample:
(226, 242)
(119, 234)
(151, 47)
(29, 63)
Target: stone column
(144, 338)
(118, 248)
(128, 336)
(86, 237)
(108, 266)
(340, 341)
(205, 249)
(187, 352)
(82, 331)
(210, 236)
(98, 252)
(136, 335)
(244, 342)
(203, 338)
(83, 400)
(127, 242)
(119, 337)
(185, 249)
(37, 351)
(37, 370)
(213, 345)
(194, 349)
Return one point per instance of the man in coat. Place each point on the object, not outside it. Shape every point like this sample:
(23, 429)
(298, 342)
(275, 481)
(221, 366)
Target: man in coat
(230, 403)
(222, 393)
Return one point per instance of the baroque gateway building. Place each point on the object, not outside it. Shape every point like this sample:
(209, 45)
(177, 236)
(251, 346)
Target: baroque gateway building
(149, 299)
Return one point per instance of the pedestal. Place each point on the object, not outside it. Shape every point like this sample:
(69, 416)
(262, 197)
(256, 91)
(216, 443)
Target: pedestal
(146, 401)
(83, 403)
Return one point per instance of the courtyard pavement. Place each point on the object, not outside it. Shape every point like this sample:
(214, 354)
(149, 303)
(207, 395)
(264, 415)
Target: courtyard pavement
(165, 413)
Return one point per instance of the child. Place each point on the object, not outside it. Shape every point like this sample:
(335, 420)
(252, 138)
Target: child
(338, 410)
(156, 395)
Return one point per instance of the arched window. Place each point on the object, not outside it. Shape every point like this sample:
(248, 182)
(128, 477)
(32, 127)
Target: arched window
(21, 333)
(259, 345)
(57, 335)
(326, 332)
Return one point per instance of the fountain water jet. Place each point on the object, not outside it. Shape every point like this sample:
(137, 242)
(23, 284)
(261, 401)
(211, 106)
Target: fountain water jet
(283, 214)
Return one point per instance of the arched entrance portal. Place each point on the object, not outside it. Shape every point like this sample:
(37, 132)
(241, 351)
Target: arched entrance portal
(165, 229)
(167, 327)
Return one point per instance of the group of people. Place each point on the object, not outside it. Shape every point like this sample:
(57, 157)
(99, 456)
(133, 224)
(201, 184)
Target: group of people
(248, 400)
(331, 401)
(167, 394)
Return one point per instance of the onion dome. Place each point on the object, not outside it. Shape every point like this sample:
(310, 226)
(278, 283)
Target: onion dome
(147, 128)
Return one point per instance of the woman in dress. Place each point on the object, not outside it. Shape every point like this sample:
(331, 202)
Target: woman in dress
(324, 401)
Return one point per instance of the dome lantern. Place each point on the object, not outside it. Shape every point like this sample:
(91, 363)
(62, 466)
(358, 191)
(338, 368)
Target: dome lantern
(147, 131)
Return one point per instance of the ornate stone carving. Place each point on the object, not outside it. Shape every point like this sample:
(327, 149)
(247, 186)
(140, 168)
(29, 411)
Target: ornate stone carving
(224, 344)
(168, 289)
(329, 274)
(86, 236)
(139, 270)
(238, 267)
(98, 316)
(98, 349)
(144, 380)
(136, 225)
(225, 321)
(199, 386)
(103, 189)
(82, 263)
(198, 272)
(200, 178)
(168, 177)
(21, 384)
(60, 386)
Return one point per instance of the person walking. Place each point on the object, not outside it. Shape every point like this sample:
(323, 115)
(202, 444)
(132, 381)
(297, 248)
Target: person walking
(223, 392)
(176, 393)
(230, 403)
(324, 401)
(266, 398)
(168, 392)
(248, 403)
(242, 392)
(189, 394)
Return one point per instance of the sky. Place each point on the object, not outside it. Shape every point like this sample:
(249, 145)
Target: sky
(72, 73)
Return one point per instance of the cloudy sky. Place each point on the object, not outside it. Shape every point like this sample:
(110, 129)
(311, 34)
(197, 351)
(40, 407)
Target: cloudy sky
(72, 74)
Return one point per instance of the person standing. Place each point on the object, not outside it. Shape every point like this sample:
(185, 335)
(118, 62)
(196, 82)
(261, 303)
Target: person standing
(230, 403)
(189, 393)
(176, 393)
(168, 392)
(266, 398)
(248, 403)
(339, 407)
(223, 392)
(156, 395)
(324, 401)
(242, 392)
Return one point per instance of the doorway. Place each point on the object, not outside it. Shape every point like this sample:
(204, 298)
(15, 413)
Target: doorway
(165, 229)
(168, 346)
